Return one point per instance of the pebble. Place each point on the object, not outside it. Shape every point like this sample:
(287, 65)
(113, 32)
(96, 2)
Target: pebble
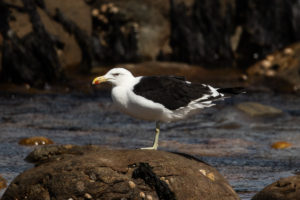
(202, 171)
(281, 145)
(270, 58)
(244, 77)
(35, 141)
(167, 181)
(149, 197)
(142, 195)
(266, 63)
(104, 8)
(131, 184)
(211, 176)
(114, 10)
(288, 51)
(88, 196)
(27, 86)
(270, 73)
(95, 12)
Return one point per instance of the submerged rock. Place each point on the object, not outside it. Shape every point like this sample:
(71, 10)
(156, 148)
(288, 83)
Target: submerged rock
(281, 145)
(90, 172)
(34, 141)
(283, 189)
(254, 109)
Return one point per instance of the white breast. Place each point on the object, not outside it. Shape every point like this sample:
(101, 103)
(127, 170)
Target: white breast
(136, 106)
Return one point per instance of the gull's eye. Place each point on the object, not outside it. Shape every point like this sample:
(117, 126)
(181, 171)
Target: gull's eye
(116, 74)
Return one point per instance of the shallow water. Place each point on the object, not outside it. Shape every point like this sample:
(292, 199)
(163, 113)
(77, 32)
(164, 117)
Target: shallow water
(236, 144)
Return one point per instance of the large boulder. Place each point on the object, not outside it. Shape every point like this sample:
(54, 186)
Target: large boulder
(283, 189)
(90, 172)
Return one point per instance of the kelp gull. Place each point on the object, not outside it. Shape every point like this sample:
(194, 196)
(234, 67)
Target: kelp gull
(160, 98)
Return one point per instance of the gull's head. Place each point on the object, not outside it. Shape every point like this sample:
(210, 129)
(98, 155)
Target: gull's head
(115, 76)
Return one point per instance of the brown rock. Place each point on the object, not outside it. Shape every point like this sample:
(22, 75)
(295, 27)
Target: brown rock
(30, 52)
(77, 11)
(283, 189)
(73, 172)
(21, 25)
(70, 55)
(34, 141)
(2, 183)
(279, 71)
(281, 145)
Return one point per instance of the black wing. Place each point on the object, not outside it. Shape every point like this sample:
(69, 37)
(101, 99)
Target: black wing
(171, 91)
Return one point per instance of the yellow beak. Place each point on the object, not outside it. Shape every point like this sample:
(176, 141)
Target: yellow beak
(99, 80)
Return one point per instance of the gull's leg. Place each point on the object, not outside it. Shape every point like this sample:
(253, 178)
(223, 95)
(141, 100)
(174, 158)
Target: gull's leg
(155, 143)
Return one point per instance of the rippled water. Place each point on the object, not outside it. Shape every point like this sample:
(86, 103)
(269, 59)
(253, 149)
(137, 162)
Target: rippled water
(236, 144)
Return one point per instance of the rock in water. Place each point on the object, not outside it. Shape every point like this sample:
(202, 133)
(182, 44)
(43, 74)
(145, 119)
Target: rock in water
(80, 172)
(2, 183)
(34, 141)
(281, 145)
(283, 189)
(254, 109)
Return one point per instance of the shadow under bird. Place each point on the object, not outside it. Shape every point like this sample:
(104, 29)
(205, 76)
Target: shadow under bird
(160, 98)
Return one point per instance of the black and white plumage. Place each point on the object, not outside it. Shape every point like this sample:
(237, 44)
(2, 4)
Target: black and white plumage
(160, 98)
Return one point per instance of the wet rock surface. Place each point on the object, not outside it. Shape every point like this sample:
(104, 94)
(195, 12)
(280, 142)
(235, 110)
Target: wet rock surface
(2, 183)
(283, 189)
(99, 173)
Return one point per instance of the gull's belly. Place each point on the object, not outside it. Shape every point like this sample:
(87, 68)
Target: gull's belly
(136, 106)
(145, 112)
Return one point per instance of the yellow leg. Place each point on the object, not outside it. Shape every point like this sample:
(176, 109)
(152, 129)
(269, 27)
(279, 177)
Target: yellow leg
(155, 143)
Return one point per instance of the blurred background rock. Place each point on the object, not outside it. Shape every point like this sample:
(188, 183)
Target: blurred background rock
(46, 42)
